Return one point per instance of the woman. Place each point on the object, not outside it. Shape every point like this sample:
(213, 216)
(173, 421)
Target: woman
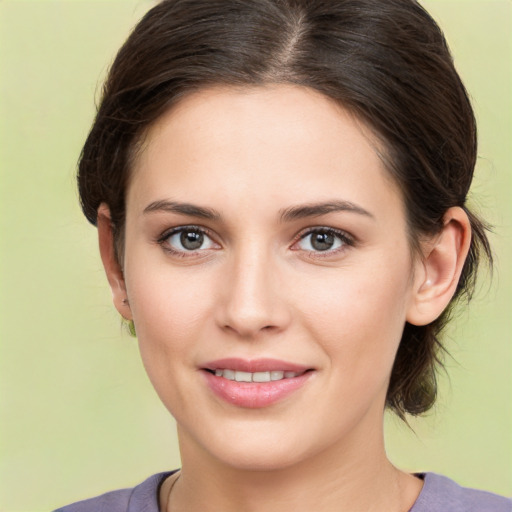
(280, 193)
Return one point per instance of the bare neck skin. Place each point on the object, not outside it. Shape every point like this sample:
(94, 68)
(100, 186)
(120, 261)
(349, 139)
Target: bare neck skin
(353, 476)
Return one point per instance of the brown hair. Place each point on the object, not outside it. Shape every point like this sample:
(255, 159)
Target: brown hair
(386, 61)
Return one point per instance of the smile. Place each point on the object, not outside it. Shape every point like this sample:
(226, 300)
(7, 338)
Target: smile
(256, 383)
(241, 376)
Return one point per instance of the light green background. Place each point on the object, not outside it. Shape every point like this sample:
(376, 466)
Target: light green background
(78, 415)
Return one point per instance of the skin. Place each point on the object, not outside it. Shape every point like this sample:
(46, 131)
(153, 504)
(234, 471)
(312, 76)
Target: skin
(258, 288)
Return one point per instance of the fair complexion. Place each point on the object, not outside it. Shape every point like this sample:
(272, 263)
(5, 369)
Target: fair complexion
(262, 225)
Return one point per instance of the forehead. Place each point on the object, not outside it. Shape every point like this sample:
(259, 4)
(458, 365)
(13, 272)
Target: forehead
(286, 142)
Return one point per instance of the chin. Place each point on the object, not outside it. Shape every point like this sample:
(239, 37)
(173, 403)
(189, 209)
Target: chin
(264, 460)
(267, 447)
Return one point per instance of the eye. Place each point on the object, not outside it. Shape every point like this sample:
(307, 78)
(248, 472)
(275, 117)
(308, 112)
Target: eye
(323, 240)
(187, 239)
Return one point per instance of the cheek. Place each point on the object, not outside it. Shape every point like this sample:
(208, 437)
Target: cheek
(170, 315)
(359, 319)
(170, 308)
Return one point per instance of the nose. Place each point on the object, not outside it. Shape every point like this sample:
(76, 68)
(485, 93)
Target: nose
(253, 297)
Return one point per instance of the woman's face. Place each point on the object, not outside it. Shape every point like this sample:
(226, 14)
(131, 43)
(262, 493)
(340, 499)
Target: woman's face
(265, 240)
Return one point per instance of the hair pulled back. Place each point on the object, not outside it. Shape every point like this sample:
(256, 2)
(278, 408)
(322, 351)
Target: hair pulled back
(385, 61)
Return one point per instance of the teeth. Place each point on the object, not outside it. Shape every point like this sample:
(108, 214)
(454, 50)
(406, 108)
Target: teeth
(261, 377)
(243, 376)
(240, 376)
(229, 374)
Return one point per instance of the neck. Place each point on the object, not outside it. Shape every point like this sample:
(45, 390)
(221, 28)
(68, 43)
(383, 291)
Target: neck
(353, 476)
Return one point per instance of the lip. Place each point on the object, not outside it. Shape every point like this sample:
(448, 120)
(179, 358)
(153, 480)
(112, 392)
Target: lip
(254, 395)
(255, 365)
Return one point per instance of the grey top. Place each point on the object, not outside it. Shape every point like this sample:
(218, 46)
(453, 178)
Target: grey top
(439, 494)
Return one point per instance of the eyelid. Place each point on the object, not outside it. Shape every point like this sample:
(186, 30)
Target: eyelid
(162, 239)
(176, 229)
(347, 239)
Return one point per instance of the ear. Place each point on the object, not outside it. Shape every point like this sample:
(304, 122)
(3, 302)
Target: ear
(110, 263)
(437, 273)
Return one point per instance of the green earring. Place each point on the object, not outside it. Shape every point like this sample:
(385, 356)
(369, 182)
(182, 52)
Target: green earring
(130, 327)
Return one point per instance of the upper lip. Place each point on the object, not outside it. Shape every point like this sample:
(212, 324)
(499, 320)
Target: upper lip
(255, 365)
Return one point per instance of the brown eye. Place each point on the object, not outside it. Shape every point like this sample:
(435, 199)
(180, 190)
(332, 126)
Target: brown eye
(191, 240)
(188, 239)
(323, 240)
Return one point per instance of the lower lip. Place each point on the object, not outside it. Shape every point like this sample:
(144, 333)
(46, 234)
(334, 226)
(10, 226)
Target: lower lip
(254, 395)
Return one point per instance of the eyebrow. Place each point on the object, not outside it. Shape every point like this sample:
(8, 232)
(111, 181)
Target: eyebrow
(286, 215)
(317, 209)
(183, 209)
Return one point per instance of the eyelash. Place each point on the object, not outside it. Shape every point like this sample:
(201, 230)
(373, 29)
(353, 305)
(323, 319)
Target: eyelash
(345, 239)
(163, 240)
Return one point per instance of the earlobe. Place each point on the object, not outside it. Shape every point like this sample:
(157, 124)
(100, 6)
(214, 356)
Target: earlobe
(111, 264)
(440, 268)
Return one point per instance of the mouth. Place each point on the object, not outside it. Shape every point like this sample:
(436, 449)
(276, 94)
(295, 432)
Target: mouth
(241, 376)
(257, 383)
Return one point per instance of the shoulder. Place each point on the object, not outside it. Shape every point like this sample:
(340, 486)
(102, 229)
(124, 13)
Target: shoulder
(142, 498)
(440, 494)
